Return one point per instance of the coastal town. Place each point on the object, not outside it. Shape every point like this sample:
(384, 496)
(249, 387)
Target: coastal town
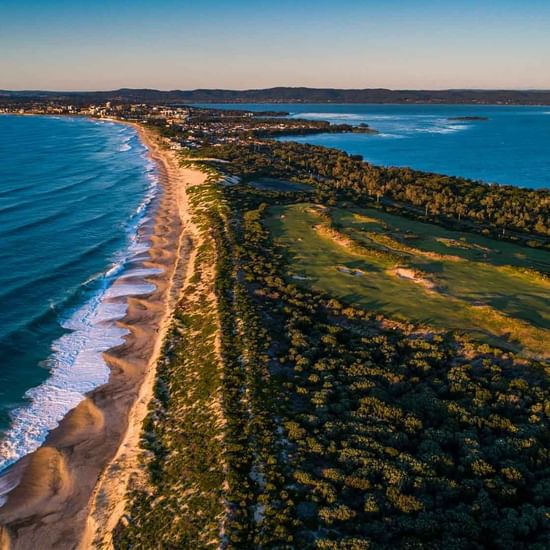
(189, 127)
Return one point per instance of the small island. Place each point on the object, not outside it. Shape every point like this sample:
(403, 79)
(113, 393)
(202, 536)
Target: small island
(468, 118)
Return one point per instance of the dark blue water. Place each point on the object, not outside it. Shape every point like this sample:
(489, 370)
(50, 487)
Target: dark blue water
(512, 147)
(73, 194)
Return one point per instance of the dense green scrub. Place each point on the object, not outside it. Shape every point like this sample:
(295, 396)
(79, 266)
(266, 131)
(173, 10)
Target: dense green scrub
(388, 437)
(340, 428)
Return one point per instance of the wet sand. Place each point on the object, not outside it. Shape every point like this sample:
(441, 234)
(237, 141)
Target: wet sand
(70, 492)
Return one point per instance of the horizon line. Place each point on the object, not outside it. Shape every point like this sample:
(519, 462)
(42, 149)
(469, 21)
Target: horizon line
(288, 87)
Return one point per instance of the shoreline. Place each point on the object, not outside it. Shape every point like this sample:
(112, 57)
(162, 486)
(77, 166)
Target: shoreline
(76, 365)
(57, 487)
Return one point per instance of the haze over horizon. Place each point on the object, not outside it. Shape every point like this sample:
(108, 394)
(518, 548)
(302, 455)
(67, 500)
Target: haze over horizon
(245, 44)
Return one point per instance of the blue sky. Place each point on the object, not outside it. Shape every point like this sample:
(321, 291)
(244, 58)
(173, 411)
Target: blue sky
(167, 44)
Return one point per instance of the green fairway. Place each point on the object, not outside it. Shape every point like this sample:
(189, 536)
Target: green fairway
(420, 272)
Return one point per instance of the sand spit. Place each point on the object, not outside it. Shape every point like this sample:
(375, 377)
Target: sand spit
(70, 492)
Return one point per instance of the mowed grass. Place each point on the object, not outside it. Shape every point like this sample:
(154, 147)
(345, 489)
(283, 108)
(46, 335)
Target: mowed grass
(490, 272)
(436, 239)
(479, 283)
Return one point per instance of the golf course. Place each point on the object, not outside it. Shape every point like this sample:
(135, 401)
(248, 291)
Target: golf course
(494, 291)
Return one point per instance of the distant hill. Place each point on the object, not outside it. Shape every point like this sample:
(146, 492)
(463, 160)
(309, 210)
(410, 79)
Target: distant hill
(295, 95)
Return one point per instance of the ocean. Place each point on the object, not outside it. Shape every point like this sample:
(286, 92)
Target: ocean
(511, 147)
(76, 197)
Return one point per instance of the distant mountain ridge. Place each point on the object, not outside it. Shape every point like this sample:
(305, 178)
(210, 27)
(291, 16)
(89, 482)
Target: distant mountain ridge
(293, 95)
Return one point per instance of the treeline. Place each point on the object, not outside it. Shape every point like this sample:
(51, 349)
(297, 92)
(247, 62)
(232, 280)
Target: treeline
(494, 209)
(286, 94)
(304, 127)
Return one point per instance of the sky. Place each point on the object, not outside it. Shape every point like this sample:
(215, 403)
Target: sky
(242, 44)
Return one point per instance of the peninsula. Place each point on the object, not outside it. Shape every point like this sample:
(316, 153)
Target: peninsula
(327, 360)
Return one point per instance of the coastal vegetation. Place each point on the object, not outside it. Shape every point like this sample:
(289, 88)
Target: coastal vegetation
(344, 427)
(360, 361)
(494, 210)
(389, 436)
(181, 503)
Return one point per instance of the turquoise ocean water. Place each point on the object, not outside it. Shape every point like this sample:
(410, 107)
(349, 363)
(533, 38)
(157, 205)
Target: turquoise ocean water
(511, 147)
(75, 201)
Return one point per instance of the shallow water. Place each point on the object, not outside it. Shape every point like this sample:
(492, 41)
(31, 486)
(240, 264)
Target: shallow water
(75, 195)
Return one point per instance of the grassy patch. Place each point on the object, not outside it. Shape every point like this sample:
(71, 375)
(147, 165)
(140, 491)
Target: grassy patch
(476, 284)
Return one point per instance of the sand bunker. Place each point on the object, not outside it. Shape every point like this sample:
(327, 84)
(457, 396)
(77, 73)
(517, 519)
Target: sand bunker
(367, 219)
(415, 276)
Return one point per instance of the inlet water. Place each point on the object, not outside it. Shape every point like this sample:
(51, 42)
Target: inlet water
(511, 147)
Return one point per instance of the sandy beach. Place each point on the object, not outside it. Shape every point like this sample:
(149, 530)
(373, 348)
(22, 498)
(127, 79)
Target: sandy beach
(70, 492)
